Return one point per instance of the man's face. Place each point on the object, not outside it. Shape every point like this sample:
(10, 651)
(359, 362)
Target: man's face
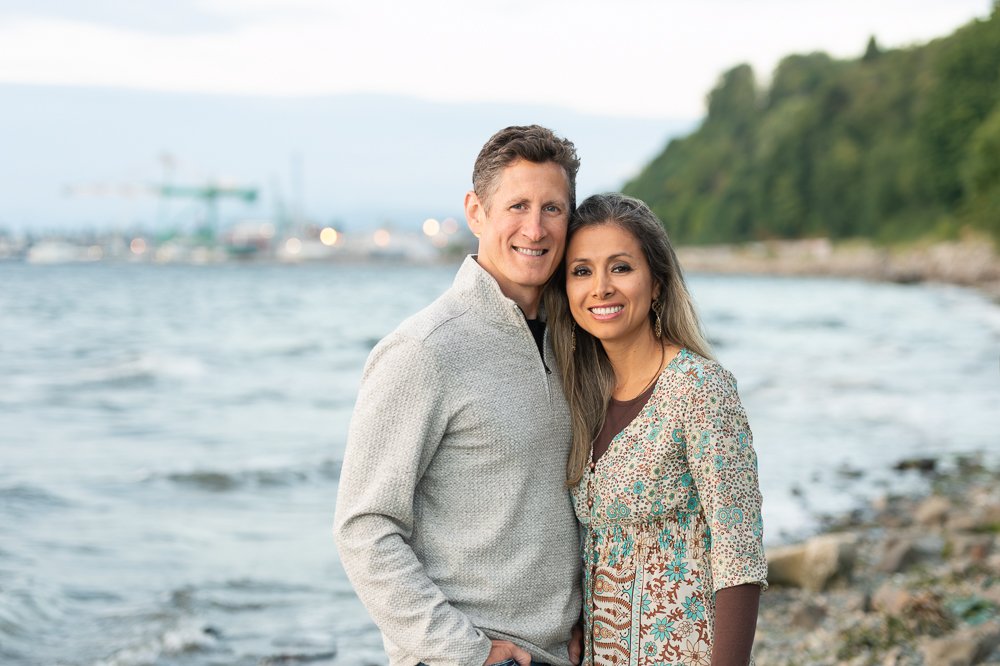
(523, 234)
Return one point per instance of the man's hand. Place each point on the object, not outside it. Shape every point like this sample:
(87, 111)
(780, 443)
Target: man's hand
(504, 650)
(576, 643)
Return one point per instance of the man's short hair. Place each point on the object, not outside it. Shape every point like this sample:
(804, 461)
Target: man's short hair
(523, 142)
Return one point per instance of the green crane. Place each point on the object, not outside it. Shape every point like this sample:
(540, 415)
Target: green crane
(210, 194)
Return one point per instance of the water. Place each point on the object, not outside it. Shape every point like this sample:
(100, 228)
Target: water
(171, 438)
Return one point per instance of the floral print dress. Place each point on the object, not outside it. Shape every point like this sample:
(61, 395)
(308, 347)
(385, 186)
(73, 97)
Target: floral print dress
(671, 514)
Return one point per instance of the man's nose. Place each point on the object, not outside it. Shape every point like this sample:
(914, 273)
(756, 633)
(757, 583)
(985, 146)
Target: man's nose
(533, 229)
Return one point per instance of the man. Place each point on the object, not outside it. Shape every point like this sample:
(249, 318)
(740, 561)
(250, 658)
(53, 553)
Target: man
(453, 521)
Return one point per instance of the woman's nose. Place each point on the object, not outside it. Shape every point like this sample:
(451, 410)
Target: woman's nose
(602, 286)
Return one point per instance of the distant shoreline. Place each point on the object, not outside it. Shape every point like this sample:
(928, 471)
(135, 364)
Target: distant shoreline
(971, 263)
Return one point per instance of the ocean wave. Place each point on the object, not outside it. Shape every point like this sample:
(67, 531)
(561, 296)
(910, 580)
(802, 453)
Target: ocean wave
(188, 636)
(229, 480)
(142, 370)
(25, 497)
(22, 609)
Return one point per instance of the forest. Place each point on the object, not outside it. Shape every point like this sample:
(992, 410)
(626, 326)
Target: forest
(895, 146)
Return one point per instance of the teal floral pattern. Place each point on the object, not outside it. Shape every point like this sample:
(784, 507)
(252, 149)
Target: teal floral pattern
(674, 517)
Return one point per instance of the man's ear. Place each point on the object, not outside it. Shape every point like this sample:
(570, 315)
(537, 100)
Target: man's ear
(475, 213)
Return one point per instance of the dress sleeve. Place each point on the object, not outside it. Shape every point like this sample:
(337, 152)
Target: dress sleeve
(724, 466)
(398, 423)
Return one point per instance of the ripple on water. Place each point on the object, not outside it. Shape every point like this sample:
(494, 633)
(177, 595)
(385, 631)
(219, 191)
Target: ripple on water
(230, 480)
(26, 498)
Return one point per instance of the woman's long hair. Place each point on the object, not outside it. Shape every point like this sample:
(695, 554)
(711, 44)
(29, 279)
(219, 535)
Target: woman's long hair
(587, 375)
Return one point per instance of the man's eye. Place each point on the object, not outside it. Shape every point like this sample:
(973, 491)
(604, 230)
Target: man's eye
(518, 206)
(553, 209)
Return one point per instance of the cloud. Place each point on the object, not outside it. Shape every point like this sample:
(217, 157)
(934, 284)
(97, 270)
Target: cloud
(636, 58)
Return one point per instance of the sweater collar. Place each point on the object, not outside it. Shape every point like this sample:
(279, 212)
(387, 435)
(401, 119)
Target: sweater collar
(484, 294)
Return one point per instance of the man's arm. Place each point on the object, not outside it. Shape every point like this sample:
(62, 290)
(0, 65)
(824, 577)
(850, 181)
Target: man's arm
(398, 423)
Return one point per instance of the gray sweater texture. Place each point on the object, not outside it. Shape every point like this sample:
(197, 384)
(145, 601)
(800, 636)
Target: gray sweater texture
(453, 521)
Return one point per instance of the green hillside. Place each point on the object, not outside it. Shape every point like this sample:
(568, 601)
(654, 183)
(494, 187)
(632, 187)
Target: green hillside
(897, 145)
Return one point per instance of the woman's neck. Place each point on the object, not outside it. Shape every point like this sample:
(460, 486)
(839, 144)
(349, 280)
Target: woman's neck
(636, 363)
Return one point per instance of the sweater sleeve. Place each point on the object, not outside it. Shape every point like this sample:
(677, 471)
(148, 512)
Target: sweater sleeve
(724, 466)
(398, 423)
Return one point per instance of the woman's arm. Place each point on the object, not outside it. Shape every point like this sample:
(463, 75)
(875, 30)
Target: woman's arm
(735, 624)
(724, 466)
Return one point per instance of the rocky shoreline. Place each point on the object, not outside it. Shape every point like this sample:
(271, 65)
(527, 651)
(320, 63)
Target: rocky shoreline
(971, 262)
(911, 581)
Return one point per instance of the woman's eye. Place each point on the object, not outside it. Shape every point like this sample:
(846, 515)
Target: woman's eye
(621, 268)
(580, 271)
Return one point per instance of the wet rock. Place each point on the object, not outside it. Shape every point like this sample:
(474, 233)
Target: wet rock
(981, 519)
(807, 616)
(962, 648)
(992, 593)
(893, 512)
(925, 614)
(924, 465)
(893, 657)
(815, 565)
(298, 658)
(846, 471)
(974, 547)
(900, 552)
(933, 511)
(896, 555)
(891, 599)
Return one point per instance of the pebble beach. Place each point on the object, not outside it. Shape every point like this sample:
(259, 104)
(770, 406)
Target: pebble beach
(910, 580)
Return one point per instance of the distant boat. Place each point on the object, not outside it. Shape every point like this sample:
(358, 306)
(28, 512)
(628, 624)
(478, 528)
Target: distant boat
(61, 252)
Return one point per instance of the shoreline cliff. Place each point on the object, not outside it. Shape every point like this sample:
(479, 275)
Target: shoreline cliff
(968, 262)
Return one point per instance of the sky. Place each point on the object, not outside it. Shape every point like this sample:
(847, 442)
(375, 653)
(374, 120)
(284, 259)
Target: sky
(629, 58)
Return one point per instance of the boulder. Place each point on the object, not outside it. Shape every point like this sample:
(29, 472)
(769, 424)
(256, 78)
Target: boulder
(933, 511)
(891, 600)
(814, 565)
(900, 552)
(896, 554)
(983, 519)
(967, 646)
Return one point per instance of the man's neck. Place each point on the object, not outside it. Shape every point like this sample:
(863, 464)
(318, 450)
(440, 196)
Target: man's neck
(527, 298)
(528, 304)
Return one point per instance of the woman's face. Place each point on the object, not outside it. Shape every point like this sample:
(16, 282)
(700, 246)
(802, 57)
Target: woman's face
(608, 284)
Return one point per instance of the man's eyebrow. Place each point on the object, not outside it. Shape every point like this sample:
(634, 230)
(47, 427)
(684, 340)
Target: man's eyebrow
(611, 257)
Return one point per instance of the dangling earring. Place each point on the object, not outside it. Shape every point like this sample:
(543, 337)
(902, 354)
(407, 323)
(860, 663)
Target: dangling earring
(658, 328)
(572, 339)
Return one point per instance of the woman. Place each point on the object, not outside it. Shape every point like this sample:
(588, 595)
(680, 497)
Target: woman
(662, 470)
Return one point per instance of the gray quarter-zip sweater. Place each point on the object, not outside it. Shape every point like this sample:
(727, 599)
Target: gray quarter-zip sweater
(453, 521)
